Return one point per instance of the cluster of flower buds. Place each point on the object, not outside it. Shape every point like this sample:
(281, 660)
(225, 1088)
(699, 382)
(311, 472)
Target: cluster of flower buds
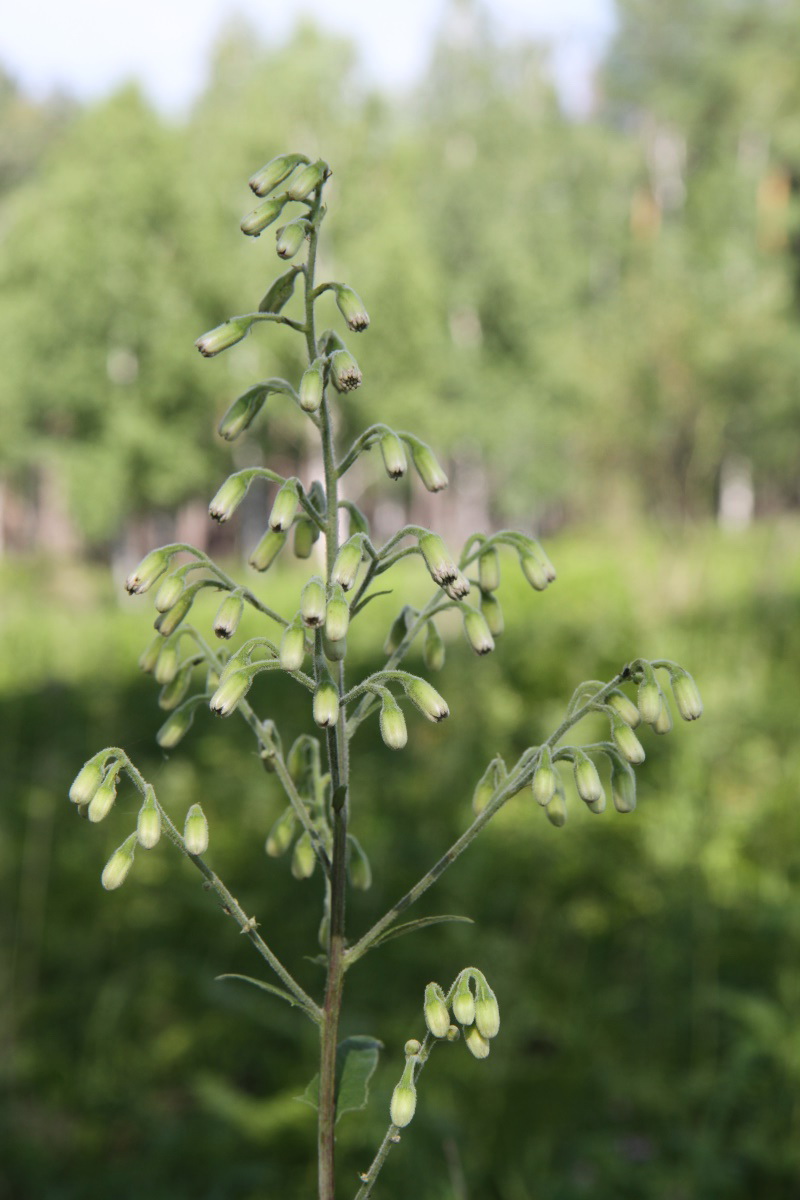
(303, 764)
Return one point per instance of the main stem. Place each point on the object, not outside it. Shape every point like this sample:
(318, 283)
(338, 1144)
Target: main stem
(338, 764)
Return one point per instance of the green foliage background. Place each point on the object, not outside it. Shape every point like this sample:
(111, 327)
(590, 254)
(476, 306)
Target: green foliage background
(602, 313)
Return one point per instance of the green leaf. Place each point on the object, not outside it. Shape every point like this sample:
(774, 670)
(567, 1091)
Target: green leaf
(421, 923)
(356, 1060)
(265, 987)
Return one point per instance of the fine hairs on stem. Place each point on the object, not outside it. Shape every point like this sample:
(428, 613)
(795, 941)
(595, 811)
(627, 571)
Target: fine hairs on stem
(309, 645)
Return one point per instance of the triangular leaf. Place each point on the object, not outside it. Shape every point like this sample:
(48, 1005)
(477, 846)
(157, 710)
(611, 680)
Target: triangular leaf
(356, 1060)
(420, 923)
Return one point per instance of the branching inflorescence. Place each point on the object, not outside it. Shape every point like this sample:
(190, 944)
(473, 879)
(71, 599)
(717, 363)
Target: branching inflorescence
(310, 645)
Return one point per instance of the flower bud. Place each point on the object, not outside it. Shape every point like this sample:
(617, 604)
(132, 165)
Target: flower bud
(687, 695)
(428, 467)
(151, 568)
(149, 656)
(394, 456)
(487, 1010)
(453, 1033)
(489, 570)
(545, 779)
(556, 811)
(296, 763)
(242, 412)
(347, 563)
(398, 630)
(648, 700)
(404, 1098)
(464, 1002)
(313, 603)
(326, 704)
(427, 699)
(176, 726)
(284, 506)
(293, 646)
(166, 667)
(290, 237)
(229, 614)
(267, 550)
(663, 722)
(303, 858)
(487, 785)
(492, 613)
(307, 180)
(168, 622)
(231, 691)
(345, 373)
(477, 1044)
(623, 786)
(597, 806)
(358, 869)
(230, 496)
(224, 336)
(280, 291)
(351, 307)
(433, 652)
(627, 742)
(88, 779)
(587, 780)
(437, 559)
(457, 588)
(625, 709)
(312, 386)
(392, 723)
(173, 692)
(477, 631)
(412, 1047)
(148, 823)
(437, 1015)
(169, 592)
(116, 869)
(279, 838)
(103, 799)
(337, 615)
(257, 221)
(274, 172)
(534, 572)
(306, 533)
(195, 830)
(334, 651)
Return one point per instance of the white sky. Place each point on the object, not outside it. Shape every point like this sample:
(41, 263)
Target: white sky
(90, 46)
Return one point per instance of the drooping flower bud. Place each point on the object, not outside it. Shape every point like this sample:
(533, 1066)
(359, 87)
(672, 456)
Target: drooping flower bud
(404, 1098)
(290, 237)
(394, 456)
(274, 172)
(195, 830)
(173, 692)
(457, 588)
(398, 630)
(663, 722)
(148, 823)
(487, 1010)
(477, 1044)
(433, 651)
(412, 1047)
(359, 870)
(437, 559)
(242, 412)
(337, 615)
(347, 563)
(224, 336)
(489, 570)
(545, 779)
(304, 859)
(306, 533)
(623, 785)
(231, 691)
(492, 613)
(597, 806)
(312, 386)
(280, 291)
(151, 568)
(428, 467)
(625, 709)
(88, 779)
(534, 572)
(280, 836)
(166, 667)
(284, 506)
(293, 646)
(307, 180)
(102, 801)
(427, 699)
(488, 783)
(464, 1002)
(313, 602)
(437, 1014)
(627, 742)
(176, 726)
(326, 704)
(587, 780)
(115, 872)
(334, 651)
(687, 695)
(351, 306)
(345, 372)
(648, 698)
(556, 811)
(170, 591)
(149, 656)
(257, 221)
(168, 622)
(267, 550)
(453, 1033)
(229, 614)
(230, 496)
(392, 723)
(477, 631)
